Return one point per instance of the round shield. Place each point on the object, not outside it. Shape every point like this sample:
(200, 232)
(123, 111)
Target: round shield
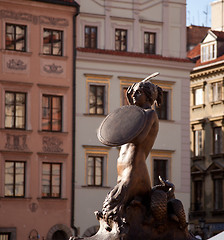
(122, 125)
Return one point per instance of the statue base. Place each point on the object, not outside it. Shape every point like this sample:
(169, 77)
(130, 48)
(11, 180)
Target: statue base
(156, 216)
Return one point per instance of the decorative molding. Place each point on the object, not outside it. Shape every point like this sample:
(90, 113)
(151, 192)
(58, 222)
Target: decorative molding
(54, 21)
(16, 142)
(52, 68)
(33, 207)
(62, 22)
(52, 144)
(19, 16)
(16, 64)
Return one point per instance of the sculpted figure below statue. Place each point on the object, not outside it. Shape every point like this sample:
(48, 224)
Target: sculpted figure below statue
(133, 209)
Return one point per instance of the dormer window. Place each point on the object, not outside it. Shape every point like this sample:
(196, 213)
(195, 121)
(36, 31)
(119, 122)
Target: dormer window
(208, 52)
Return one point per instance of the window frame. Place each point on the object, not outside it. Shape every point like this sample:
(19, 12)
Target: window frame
(14, 178)
(149, 44)
(96, 106)
(90, 37)
(219, 142)
(50, 183)
(103, 153)
(198, 143)
(98, 80)
(216, 96)
(219, 192)
(14, 114)
(93, 178)
(14, 36)
(208, 51)
(52, 43)
(118, 42)
(51, 96)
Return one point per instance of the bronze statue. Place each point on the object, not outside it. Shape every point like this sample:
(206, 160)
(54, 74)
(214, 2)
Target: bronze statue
(133, 209)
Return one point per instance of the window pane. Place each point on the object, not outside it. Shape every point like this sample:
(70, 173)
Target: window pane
(162, 111)
(9, 37)
(198, 96)
(198, 143)
(120, 40)
(46, 171)
(96, 99)
(217, 140)
(160, 169)
(197, 195)
(218, 194)
(90, 173)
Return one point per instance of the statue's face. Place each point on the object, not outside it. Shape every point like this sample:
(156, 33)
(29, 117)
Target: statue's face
(138, 96)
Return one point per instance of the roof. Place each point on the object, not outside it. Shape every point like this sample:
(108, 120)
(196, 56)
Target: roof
(219, 34)
(132, 54)
(61, 2)
(195, 34)
(195, 52)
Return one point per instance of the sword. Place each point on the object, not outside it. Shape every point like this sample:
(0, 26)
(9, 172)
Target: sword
(150, 76)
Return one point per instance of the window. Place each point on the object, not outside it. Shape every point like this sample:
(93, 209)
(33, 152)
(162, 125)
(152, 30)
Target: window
(198, 96)
(120, 40)
(208, 52)
(96, 99)
(4, 236)
(14, 179)
(149, 43)
(216, 91)
(160, 169)
(52, 113)
(218, 194)
(198, 150)
(124, 98)
(95, 171)
(90, 37)
(217, 140)
(198, 195)
(15, 38)
(162, 111)
(15, 110)
(51, 180)
(53, 42)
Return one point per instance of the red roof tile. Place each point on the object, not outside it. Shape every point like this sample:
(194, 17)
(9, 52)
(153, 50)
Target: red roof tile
(195, 52)
(132, 54)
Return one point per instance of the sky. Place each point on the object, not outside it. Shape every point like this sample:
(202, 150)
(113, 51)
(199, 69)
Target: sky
(199, 12)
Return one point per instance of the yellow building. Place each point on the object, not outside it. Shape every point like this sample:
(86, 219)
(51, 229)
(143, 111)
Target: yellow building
(207, 134)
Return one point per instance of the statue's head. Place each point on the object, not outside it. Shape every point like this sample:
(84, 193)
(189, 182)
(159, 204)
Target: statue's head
(152, 92)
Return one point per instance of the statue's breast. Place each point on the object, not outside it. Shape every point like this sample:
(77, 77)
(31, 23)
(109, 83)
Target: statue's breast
(122, 125)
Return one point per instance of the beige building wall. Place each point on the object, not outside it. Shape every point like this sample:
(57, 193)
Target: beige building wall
(35, 74)
(114, 70)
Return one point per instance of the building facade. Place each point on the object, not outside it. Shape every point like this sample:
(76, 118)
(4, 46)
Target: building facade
(36, 83)
(119, 43)
(207, 128)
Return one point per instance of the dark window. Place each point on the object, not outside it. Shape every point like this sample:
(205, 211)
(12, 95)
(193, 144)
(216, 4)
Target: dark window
(217, 140)
(15, 38)
(51, 180)
(5, 236)
(218, 194)
(52, 42)
(198, 150)
(160, 169)
(52, 113)
(95, 171)
(15, 110)
(162, 111)
(96, 99)
(150, 43)
(197, 195)
(120, 40)
(14, 179)
(124, 98)
(90, 37)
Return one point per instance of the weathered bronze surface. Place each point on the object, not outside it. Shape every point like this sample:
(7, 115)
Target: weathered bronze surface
(133, 210)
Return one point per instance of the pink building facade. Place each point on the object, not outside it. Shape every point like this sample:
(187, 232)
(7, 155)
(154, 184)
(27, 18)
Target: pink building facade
(36, 82)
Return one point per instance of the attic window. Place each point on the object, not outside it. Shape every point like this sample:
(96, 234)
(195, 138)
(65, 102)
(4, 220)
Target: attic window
(208, 52)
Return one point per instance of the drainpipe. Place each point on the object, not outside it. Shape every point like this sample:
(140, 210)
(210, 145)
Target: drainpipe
(73, 124)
